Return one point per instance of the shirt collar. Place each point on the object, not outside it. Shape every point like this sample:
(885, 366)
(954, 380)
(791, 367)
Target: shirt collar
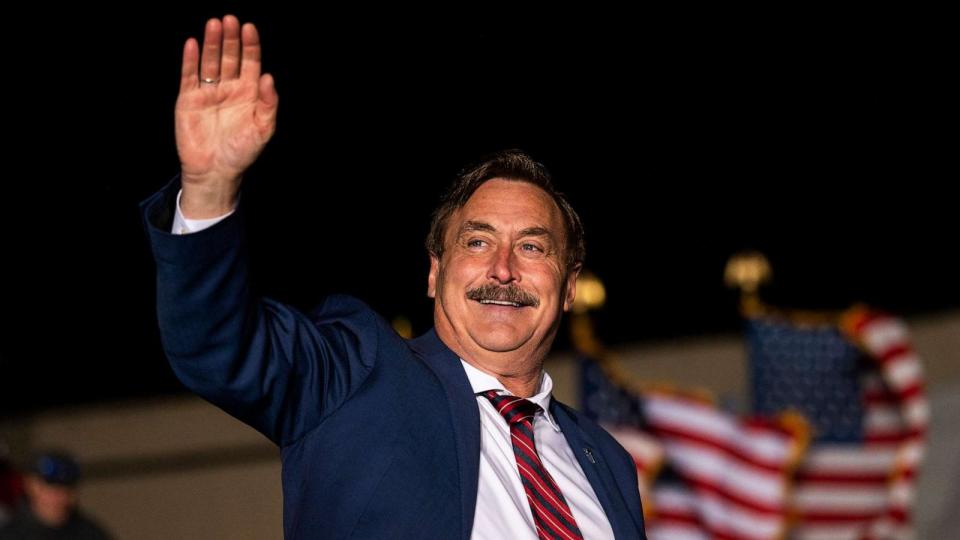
(481, 382)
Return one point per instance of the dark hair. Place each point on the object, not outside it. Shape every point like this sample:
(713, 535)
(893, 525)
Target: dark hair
(509, 165)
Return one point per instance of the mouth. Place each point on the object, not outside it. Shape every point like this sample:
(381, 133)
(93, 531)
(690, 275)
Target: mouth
(501, 303)
(503, 296)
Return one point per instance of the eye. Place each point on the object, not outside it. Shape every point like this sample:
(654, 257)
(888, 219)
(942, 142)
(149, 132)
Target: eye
(475, 243)
(533, 248)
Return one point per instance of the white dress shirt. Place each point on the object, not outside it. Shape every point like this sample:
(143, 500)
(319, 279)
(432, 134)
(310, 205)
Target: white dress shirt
(182, 225)
(502, 507)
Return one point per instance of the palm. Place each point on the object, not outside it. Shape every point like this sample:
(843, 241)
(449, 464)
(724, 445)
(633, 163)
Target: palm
(218, 130)
(226, 110)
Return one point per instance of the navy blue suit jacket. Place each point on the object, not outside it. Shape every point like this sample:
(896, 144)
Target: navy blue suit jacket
(380, 436)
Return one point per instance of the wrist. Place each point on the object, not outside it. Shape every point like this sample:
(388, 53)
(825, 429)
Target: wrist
(205, 202)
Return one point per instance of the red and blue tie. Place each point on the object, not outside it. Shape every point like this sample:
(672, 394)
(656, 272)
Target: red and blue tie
(550, 511)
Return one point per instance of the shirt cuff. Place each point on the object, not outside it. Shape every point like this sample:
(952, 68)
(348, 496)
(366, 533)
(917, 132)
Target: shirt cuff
(183, 225)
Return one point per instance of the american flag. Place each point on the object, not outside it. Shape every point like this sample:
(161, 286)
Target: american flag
(703, 473)
(861, 386)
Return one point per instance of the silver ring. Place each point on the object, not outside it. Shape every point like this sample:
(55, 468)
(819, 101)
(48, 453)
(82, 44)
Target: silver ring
(210, 81)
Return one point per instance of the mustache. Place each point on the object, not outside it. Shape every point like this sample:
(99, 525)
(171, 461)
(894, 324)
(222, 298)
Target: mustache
(508, 293)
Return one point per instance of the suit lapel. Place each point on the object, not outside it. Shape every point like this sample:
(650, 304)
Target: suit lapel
(466, 418)
(597, 471)
(466, 431)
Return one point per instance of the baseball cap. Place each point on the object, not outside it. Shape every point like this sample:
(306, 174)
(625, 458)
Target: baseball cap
(56, 468)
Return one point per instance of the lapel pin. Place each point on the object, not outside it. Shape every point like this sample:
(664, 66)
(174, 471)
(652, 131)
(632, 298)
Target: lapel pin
(589, 455)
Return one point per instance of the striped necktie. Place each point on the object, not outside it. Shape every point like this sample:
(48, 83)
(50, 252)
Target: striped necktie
(551, 514)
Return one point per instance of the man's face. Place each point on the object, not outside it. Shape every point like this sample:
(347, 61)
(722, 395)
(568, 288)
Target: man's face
(52, 503)
(502, 283)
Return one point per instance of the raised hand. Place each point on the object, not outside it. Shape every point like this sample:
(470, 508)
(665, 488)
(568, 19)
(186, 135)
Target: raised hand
(226, 112)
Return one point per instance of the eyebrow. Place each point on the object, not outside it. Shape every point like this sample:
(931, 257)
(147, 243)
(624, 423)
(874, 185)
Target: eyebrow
(536, 231)
(470, 226)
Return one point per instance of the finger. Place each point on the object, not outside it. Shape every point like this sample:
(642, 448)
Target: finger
(210, 61)
(266, 110)
(250, 63)
(191, 61)
(230, 60)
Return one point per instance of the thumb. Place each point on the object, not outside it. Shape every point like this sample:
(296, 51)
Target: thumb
(266, 108)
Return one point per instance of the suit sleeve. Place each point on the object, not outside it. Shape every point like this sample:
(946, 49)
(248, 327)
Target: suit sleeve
(263, 362)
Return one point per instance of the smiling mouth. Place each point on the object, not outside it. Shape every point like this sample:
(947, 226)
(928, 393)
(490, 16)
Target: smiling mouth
(507, 296)
(501, 303)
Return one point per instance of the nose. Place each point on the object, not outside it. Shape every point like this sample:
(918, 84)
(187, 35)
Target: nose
(503, 267)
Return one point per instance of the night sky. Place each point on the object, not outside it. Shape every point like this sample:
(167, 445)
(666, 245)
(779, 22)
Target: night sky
(826, 142)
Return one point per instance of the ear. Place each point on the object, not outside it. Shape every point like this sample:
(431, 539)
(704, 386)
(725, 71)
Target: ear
(571, 287)
(432, 277)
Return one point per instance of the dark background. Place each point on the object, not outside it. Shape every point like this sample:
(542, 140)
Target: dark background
(826, 140)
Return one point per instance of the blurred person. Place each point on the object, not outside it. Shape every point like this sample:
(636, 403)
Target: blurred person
(11, 486)
(49, 511)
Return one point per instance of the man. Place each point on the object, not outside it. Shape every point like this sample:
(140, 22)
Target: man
(51, 510)
(382, 437)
